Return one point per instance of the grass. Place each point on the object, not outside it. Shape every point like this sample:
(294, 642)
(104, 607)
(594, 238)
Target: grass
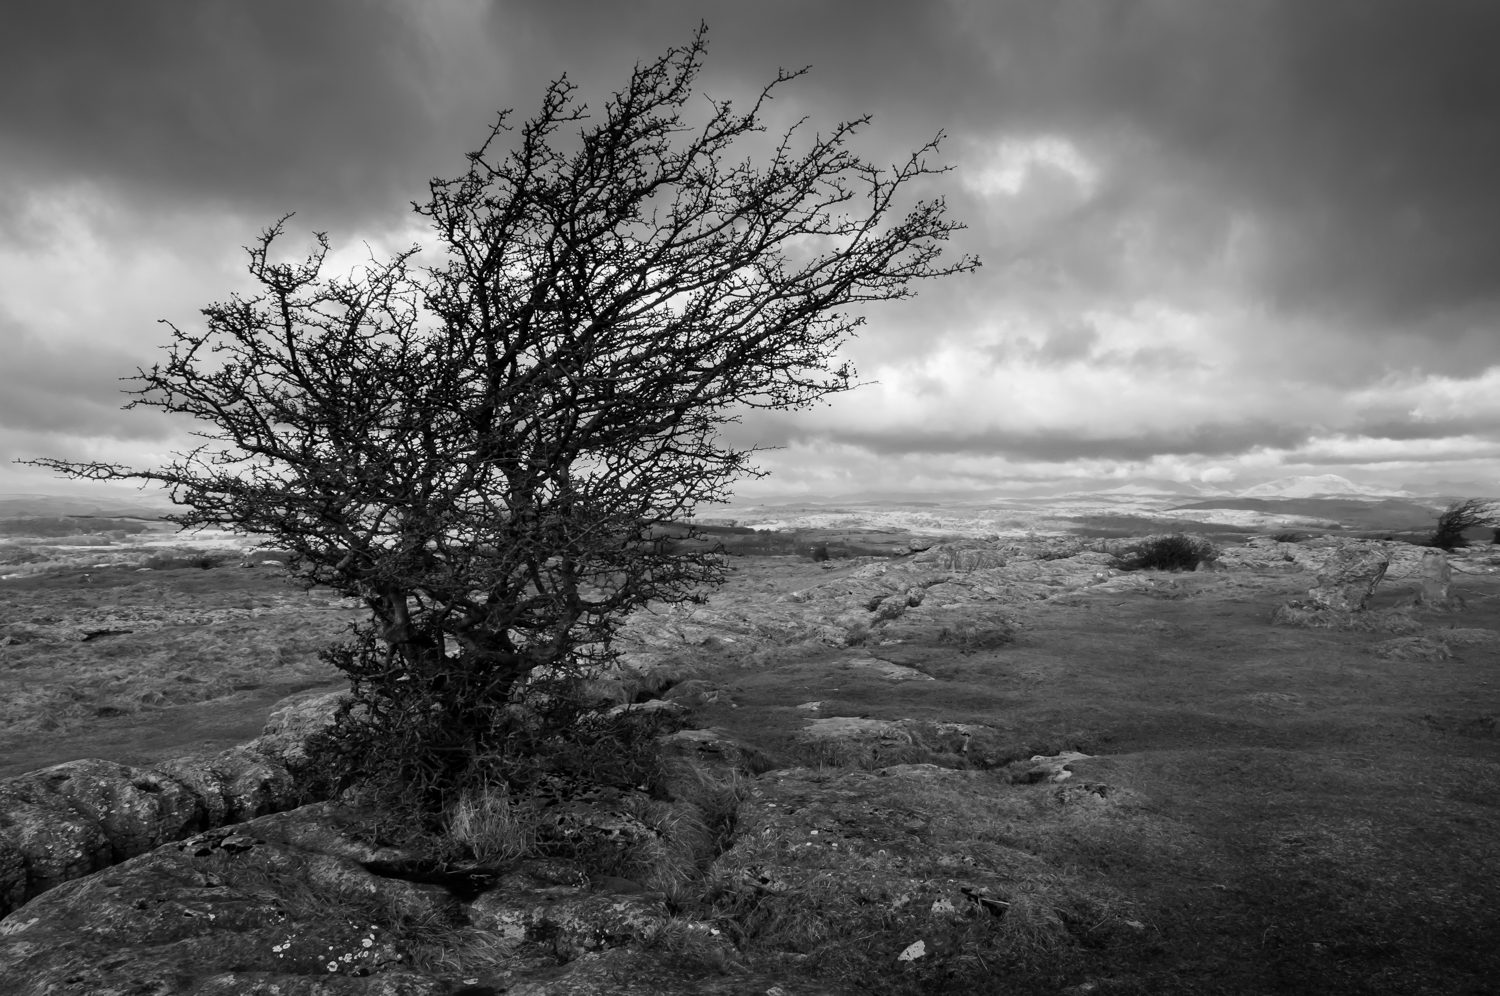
(488, 828)
(1397, 620)
(74, 651)
(1272, 808)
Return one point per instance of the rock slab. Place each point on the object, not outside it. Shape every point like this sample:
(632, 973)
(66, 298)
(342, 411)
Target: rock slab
(1348, 578)
(72, 819)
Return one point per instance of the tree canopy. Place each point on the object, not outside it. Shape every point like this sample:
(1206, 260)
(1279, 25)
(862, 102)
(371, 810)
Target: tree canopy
(1460, 515)
(477, 447)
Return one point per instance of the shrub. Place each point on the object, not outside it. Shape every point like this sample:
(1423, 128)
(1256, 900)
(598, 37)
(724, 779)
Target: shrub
(437, 761)
(1178, 552)
(1288, 537)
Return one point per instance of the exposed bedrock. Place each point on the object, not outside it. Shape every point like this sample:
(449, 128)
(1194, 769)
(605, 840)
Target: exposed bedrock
(300, 902)
(72, 819)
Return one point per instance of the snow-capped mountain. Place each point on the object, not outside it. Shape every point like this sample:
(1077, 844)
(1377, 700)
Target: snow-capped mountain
(1147, 487)
(1318, 486)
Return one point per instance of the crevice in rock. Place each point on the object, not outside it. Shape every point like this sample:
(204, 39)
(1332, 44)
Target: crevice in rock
(463, 883)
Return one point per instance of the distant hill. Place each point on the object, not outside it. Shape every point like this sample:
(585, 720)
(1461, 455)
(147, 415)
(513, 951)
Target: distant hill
(1391, 513)
(1154, 486)
(1457, 489)
(16, 505)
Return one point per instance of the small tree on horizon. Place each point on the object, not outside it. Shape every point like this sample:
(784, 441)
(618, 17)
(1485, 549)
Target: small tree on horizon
(477, 449)
(1462, 515)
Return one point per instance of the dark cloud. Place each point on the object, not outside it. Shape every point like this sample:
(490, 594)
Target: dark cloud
(1345, 149)
(1407, 429)
(264, 107)
(1362, 133)
(347, 107)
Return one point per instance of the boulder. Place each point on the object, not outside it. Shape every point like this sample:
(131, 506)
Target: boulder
(1262, 553)
(697, 692)
(885, 669)
(1348, 578)
(1437, 576)
(1047, 768)
(650, 707)
(72, 819)
(297, 717)
(245, 911)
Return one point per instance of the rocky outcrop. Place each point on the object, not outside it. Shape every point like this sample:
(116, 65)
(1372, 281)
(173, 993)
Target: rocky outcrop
(301, 902)
(72, 819)
(294, 903)
(958, 557)
(945, 588)
(1348, 578)
(217, 913)
(917, 851)
(1267, 553)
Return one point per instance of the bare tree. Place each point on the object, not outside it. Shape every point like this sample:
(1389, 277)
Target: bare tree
(477, 449)
(1461, 515)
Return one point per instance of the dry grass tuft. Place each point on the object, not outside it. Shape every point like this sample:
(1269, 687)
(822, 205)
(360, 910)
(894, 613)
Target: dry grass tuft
(490, 828)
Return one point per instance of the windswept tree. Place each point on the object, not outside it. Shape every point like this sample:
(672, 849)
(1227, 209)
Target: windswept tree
(1461, 515)
(477, 447)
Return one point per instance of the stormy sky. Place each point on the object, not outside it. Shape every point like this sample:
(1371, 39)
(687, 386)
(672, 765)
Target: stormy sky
(1222, 242)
